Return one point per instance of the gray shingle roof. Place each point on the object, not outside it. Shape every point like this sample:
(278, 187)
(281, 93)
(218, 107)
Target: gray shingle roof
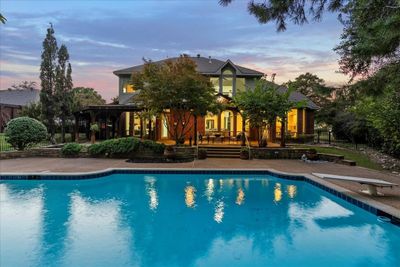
(298, 97)
(204, 66)
(19, 97)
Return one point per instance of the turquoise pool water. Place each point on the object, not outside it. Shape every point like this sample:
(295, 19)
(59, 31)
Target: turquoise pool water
(187, 220)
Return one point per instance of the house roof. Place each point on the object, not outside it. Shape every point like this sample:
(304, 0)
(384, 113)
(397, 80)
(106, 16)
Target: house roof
(298, 97)
(19, 97)
(206, 66)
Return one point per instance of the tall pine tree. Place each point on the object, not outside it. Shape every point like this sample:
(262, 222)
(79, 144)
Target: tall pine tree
(63, 88)
(48, 80)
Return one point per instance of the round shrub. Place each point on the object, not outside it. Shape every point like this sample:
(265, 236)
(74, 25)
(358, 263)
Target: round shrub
(71, 149)
(24, 131)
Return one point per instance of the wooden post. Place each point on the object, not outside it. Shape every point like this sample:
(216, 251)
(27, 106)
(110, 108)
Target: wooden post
(141, 127)
(92, 121)
(243, 131)
(106, 123)
(283, 141)
(219, 121)
(234, 123)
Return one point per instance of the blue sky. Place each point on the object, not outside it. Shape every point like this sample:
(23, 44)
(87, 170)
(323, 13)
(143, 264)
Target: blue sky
(103, 36)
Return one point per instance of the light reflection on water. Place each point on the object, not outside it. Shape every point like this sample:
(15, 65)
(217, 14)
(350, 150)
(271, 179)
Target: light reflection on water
(128, 220)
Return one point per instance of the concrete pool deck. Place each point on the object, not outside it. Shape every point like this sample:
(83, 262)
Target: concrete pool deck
(391, 198)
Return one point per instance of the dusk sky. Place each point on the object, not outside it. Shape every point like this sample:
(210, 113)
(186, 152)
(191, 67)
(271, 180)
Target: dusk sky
(103, 36)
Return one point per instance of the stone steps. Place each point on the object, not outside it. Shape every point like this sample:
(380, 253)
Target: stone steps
(222, 152)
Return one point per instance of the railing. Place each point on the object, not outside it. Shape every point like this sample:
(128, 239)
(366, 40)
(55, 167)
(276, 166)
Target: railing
(247, 142)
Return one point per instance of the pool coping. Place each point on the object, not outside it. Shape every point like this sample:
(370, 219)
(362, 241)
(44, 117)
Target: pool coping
(375, 207)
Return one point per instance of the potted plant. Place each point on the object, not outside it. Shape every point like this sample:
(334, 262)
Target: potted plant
(93, 129)
(202, 154)
(244, 153)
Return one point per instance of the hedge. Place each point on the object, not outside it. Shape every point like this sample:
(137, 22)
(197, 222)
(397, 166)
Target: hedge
(124, 146)
(71, 149)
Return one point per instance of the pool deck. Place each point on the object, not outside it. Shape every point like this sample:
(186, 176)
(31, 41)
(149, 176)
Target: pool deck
(390, 201)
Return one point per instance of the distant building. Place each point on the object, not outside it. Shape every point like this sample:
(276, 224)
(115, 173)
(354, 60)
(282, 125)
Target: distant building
(12, 101)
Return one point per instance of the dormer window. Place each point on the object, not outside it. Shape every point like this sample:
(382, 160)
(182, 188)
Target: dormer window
(227, 82)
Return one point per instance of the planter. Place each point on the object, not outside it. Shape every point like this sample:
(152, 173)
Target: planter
(202, 154)
(244, 155)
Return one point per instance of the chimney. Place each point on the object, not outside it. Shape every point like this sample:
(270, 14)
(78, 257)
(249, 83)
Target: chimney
(209, 60)
(198, 55)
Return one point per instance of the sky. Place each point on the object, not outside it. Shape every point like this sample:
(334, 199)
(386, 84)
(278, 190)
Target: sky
(103, 36)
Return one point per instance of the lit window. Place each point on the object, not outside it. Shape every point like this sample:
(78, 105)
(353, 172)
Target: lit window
(227, 83)
(128, 88)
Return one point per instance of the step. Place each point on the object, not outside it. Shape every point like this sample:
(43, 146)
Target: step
(222, 156)
(223, 150)
(348, 162)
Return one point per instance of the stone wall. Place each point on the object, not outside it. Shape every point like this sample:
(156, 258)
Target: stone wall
(277, 153)
(34, 152)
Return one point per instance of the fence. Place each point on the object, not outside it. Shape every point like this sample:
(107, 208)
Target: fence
(327, 137)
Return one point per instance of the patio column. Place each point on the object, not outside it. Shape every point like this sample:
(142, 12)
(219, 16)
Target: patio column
(219, 121)
(107, 129)
(243, 132)
(141, 127)
(92, 121)
(234, 123)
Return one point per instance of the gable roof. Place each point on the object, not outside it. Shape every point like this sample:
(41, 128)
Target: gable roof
(19, 97)
(298, 97)
(206, 66)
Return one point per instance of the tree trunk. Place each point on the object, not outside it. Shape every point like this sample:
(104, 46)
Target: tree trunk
(195, 130)
(283, 134)
(93, 137)
(62, 129)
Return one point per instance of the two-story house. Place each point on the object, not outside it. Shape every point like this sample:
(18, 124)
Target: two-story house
(228, 79)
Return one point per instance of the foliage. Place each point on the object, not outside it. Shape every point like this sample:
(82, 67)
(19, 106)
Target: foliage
(175, 90)
(24, 85)
(202, 153)
(48, 80)
(153, 146)
(63, 87)
(33, 110)
(264, 105)
(71, 149)
(85, 96)
(94, 127)
(370, 36)
(313, 87)
(124, 146)
(24, 131)
(3, 19)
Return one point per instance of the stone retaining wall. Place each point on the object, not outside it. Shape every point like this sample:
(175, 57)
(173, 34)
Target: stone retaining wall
(277, 153)
(34, 152)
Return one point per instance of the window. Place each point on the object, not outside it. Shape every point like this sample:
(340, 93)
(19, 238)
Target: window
(209, 124)
(227, 82)
(128, 88)
(215, 83)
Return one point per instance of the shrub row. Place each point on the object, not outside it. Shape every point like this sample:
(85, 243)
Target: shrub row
(71, 149)
(124, 147)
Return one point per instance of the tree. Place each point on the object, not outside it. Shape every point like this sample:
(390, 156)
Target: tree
(176, 91)
(370, 34)
(63, 87)
(313, 87)
(263, 105)
(33, 110)
(24, 85)
(85, 96)
(48, 80)
(2, 19)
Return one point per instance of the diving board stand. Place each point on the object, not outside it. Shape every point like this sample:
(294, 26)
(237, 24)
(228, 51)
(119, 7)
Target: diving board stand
(372, 184)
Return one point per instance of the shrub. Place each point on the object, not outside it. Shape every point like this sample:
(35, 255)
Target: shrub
(71, 149)
(153, 146)
(24, 131)
(120, 146)
(202, 154)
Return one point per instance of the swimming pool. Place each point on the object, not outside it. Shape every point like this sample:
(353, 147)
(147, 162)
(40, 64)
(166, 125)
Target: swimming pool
(187, 220)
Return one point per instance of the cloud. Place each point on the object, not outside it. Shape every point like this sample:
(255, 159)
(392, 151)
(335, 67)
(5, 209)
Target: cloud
(103, 36)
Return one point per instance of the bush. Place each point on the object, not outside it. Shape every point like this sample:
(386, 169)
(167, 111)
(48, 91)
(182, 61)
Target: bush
(24, 131)
(202, 154)
(123, 146)
(153, 146)
(71, 149)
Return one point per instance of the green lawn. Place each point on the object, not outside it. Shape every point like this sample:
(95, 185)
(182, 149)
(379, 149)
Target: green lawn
(361, 159)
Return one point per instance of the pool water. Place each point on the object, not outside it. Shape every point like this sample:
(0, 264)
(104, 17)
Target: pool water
(187, 220)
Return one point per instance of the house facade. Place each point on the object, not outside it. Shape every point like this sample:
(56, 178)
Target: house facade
(228, 79)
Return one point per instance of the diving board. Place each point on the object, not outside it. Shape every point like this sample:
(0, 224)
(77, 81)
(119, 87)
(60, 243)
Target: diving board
(371, 184)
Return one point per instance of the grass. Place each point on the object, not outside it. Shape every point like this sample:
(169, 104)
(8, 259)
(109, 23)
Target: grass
(4, 146)
(361, 159)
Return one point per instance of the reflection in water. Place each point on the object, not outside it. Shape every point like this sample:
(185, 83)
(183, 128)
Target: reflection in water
(209, 190)
(292, 190)
(264, 182)
(21, 225)
(190, 195)
(221, 184)
(246, 184)
(152, 192)
(219, 211)
(277, 192)
(240, 197)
